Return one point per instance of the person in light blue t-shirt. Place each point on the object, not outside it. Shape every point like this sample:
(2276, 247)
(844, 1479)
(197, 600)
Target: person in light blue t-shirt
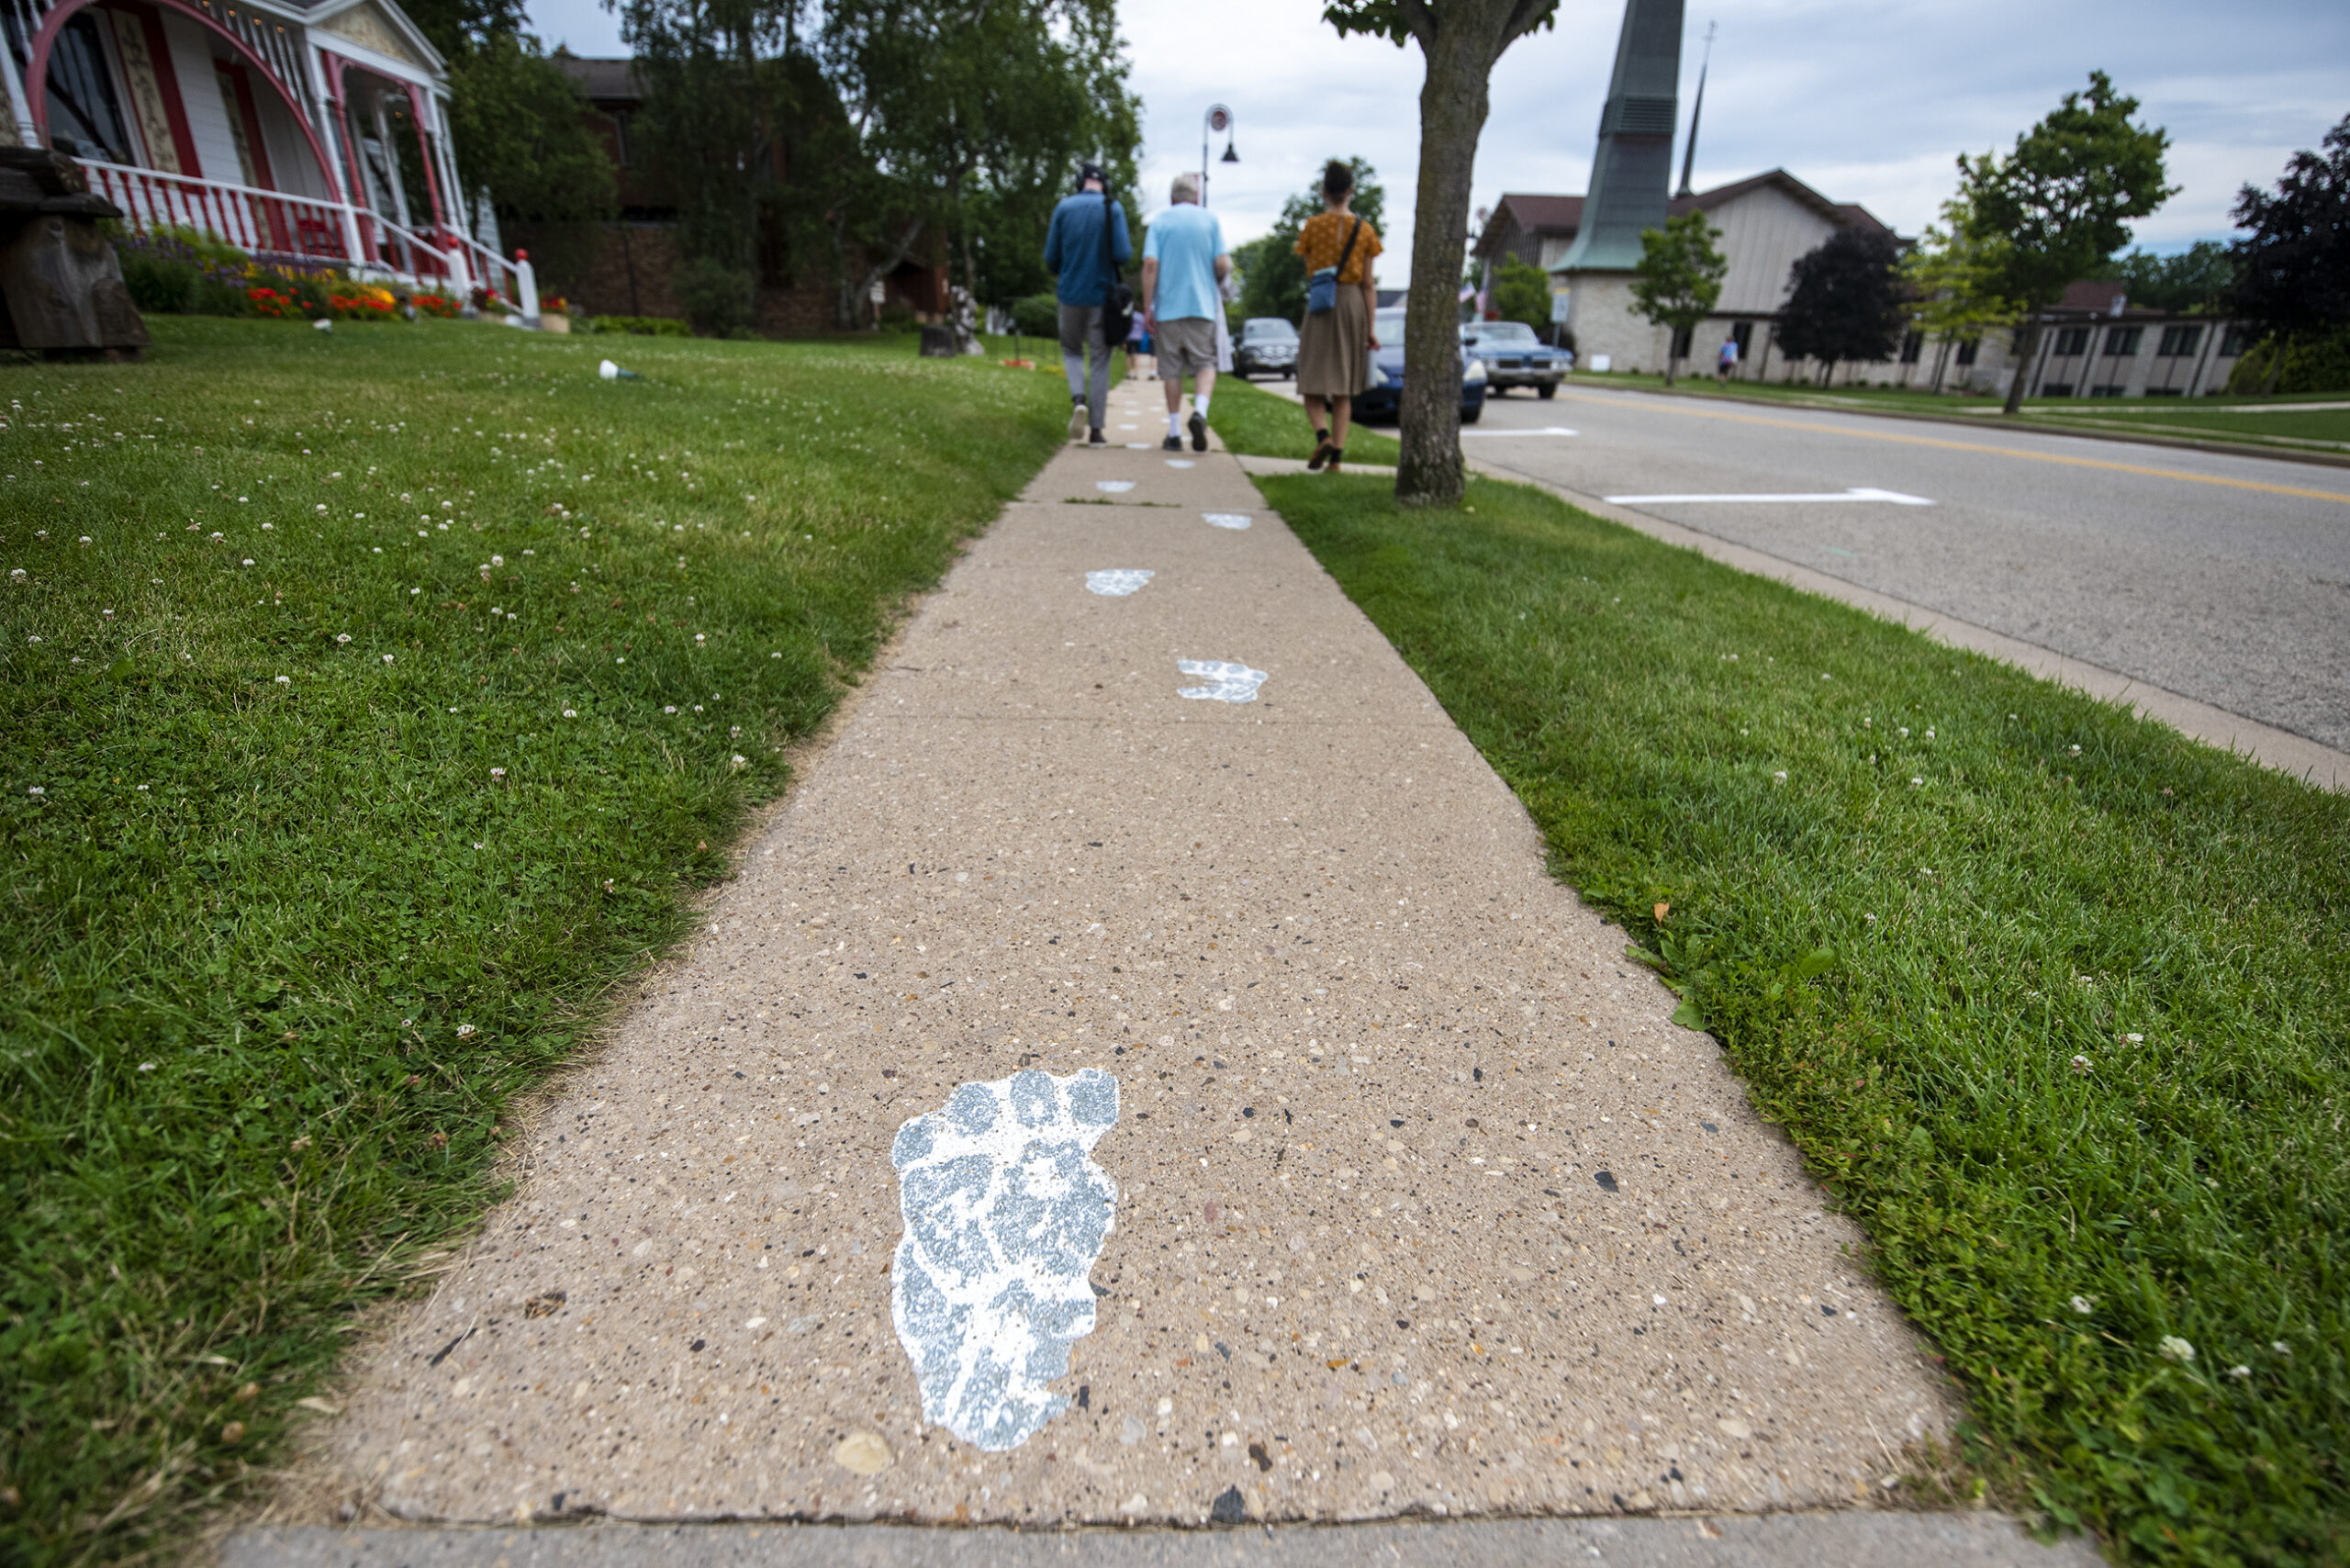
(1184, 265)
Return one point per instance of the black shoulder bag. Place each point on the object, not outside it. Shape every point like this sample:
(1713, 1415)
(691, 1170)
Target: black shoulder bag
(1117, 299)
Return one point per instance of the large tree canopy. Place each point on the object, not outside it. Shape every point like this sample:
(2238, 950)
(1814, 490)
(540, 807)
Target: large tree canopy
(1680, 277)
(2292, 271)
(2061, 202)
(1459, 41)
(1845, 301)
(870, 132)
(519, 125)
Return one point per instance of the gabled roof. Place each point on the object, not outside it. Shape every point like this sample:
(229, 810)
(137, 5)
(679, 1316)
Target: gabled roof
(409, 33)
(2093, 294)
(1558, 216)
(1844, 215)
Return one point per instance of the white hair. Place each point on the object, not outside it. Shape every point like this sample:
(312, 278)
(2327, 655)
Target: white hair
(1187, 188)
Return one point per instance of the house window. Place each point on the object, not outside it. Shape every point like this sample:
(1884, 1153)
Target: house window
(1910, 345)
(1967, 349)
(2072, 340)
(2179, 341)
(2109, 391)
(1743, 334)
(81, 98)
(2057, 389)
(2122, 343)
(2235, 340)
(1680, 341)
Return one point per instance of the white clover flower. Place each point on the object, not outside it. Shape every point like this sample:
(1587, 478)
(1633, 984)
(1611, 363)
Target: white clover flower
(285, 680)
(387, 658)
(740, 760)
(249, 560)
(1781, 776)
(413, 592)
(608, 884)
(269, 527)
(2280, 1348)
(2073, 751)
(1917, 783)
(497, 773)
(669, 708)
(1930, 734)
(18, 575)
(2081, 1064)
(2239, 1373)
(322, 510)
(2174, 1348)
(2135, 1039)
(1904, 730)
(735, 731)
(495, 609)
(571, 713)
(497, 560)
(342, 637)
(775, 655)
(464, 1031)
(35, 789)
(85, 538)
(32, 637)
(700, 637)
(219, 536)
(2083, 1305)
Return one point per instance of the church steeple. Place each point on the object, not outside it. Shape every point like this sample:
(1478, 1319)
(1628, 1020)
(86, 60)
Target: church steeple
(1633, 168)
(1689, 156)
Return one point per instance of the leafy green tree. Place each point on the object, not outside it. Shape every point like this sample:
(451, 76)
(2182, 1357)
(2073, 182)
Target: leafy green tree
(2195, 280)
(1845, 302)
(1459, 41)
(1272, 274)
(1522, 293)
(2062, 200)
(1679, 277)
(457, 27)
(1951, 279)
(518, 127)
(2292, 271)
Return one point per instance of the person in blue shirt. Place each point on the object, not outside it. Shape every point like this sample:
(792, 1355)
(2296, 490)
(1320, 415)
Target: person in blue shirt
(1184, 265)
(1074, 253)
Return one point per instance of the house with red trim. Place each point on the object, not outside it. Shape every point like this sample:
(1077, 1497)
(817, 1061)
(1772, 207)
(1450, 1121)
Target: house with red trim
(305, 135)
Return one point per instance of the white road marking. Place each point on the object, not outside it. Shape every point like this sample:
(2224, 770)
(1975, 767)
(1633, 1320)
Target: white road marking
(1547, 429)
(1893, 498)
(1005, 1215)
(1117, 582)
(1113, 487)
(1181, 463)
(1233, 682)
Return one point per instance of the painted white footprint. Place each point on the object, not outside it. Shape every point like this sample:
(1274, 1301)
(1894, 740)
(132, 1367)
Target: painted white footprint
(1005, 1215)
(1114, 487)
(1234, 520)
(1117, 582)
(1230, 682)
(1181, 463)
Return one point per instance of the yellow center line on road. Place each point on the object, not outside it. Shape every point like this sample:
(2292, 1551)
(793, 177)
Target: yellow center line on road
(1994, 451)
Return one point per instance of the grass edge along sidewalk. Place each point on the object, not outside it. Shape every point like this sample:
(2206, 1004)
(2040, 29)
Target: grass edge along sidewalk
(2053, 1000)
(377, 705)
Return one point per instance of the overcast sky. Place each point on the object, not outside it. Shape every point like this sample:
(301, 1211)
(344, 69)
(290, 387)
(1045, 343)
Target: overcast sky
(1866, 100)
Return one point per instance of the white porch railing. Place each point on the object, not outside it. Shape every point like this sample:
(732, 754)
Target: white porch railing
(273, 226)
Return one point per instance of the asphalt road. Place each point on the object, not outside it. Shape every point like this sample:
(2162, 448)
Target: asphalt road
(2223, 579)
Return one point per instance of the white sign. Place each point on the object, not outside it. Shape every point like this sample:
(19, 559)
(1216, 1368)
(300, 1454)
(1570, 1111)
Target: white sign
(875, 293)
(1560, 299)
(1601, 362)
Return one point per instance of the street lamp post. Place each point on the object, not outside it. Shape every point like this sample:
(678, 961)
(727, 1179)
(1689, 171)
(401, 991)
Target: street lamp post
(1217, 118)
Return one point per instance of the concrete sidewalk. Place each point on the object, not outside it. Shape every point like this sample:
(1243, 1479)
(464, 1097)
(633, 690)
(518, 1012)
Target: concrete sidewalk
(1409, 1198)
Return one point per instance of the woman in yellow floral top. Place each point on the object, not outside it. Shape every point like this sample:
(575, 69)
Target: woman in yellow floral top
(1333, 350)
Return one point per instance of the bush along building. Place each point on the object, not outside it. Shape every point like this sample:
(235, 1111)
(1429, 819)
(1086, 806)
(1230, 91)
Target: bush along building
(2093, 343)
(308, 135)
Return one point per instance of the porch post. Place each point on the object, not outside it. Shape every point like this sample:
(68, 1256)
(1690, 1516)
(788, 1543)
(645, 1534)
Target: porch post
(425, 139)
(19, 110)
(338, 127)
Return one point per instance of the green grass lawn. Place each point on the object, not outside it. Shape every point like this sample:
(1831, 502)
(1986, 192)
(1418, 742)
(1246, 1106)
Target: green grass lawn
(373, 703)
(2175, 416)
(2055, 1001)
(1252, 421)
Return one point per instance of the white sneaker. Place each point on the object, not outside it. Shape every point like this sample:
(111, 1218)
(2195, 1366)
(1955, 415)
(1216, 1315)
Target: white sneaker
(1077, 421)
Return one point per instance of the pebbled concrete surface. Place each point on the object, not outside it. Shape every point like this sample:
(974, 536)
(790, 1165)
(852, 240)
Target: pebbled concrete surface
(1774, 1540)
(1425, 1206)
(2235, 594)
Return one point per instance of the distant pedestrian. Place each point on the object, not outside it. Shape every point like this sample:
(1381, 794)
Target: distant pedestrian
(1341, 295)
(1726, 361)
(1184, 265)
(1087, 249)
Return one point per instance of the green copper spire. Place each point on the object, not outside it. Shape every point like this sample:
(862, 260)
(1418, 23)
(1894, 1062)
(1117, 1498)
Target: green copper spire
(1632, 172)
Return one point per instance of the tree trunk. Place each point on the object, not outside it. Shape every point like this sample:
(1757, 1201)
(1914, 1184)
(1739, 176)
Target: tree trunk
(2276, 367)
(1670, 360)
(1453, 103)
(2027, 346)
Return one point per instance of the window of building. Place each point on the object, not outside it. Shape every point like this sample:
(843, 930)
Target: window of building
(1743, 334)
(2235, 340)
(1681, 340)
(2165, 391)
(82, 102)
(1910, 345)
(2179, 341)
(2057, 389)
(2072, 340)
(2109, 390)
(1967, 349)
(2122, 343)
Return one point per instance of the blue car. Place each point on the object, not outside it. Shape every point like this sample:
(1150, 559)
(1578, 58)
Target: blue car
(1514, 356)
(1382, 400)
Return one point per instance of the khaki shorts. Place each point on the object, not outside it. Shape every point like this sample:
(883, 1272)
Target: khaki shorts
(1184, 346)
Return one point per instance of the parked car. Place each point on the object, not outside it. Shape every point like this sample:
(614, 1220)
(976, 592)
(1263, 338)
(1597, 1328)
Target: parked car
(1514, 356)
(1382, 399)
(1267, 346)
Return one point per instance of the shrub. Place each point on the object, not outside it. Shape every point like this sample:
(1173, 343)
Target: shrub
(168, 275)
(1037, 316)
(2321, 366)
(641, 326)
(717, 298)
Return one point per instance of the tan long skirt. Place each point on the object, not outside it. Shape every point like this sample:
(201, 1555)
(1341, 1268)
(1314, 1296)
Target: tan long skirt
(1331, 359)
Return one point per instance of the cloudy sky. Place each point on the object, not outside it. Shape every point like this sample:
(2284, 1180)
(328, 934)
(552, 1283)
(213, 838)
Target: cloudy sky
(1866, 100)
